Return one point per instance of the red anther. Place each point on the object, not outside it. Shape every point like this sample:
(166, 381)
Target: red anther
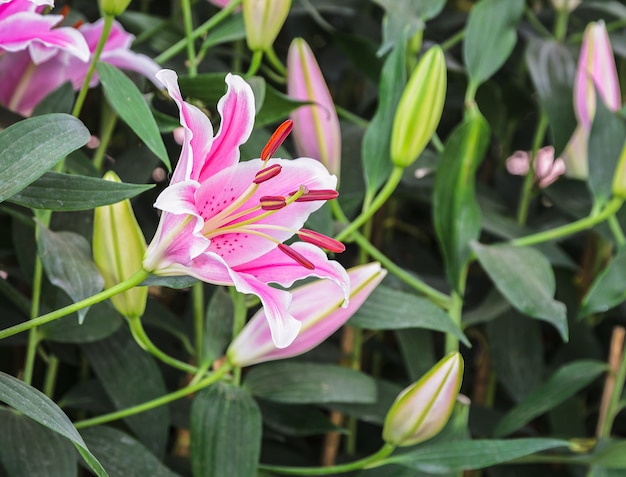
(320, 194)
(78, 24)
(64, 11)
(272, 202)
(291, 253)
(277, 139)
(267, 173)
(321, 240)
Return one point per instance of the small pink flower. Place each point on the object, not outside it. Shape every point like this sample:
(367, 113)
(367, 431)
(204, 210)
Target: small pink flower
(317, 306)
(547, 168)
(225, 221)
(23, 28)
(316, 127)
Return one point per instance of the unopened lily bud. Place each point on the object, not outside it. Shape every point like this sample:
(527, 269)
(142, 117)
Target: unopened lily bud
(619, 178)
(569, 5)
(118, 250)
(113, 7)
(318, 306)
(423, 409)
(316, 129)
(263, 20)
(420, 108)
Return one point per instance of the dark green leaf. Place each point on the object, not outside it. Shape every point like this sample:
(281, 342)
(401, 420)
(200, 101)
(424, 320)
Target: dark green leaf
(61, 100)
(610, 455)
(490, 36)
(128, 103)
(101, 321)
(64, 192)
(296, 420)
(609, 287)
(306, 383)
(130, 376)
(231, 29)
(182, 281)
(225, 432)
(208, 87)
(122, 455)
(374, 412)
(30, 449)
(66, 258)
(566, 382)
(40, 408)
(456, 212)
(219, 320)
(276, 107)
(31, 147)
(409, 311)
(525, 278)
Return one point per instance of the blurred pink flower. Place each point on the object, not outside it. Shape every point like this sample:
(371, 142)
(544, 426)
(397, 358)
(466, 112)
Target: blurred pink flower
(225, 221)
(24, 84)
(595, 71)
(317, 306)
(23, 28)
(316, 126)
(547, 168)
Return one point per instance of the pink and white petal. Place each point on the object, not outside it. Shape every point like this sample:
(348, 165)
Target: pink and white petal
(131, 61)
(199, 131)
(9, 8)
(118, 37)
(237, 111)
(179, 198)
(277, 267)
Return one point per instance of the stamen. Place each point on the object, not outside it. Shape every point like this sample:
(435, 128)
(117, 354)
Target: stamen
(267, 173)
(291, 253)
(320, 194)
(277, 139)
(272, 202)
(321, 240)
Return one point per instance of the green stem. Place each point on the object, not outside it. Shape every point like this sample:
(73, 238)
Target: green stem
(135, 280)
(560, 25)
(33, 339)
(106, 30)
(198, 319)
(455, 311)
(379, 200)
(109, 120)
(367, 462)
(275, 61)
(144, 341)
(568, 229)
(255, 63)
(353, 118)
(160, 401)
(239, 321)
(198, 32)
(534, 21)
(617, 231)
(437, 144)
(529, 180)
(453, 40)
(51, 376)
(434, 295)
(191, 50)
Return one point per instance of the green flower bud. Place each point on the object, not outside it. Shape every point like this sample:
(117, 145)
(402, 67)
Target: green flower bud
(420, 108)
(118, 250)
(113, 7)
(619, 178)
(423, 409)
(263, 20)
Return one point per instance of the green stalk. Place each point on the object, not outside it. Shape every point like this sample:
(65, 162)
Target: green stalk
(198, 319)
(453, 40)
(255, 63)
(275, 61)
(51, 376)
(191, 50)
(617, 231)
(529, 179)
(160, 401)
(135, 280)
(239, 321)
(353, 118)
(534, 21)
(109, 120)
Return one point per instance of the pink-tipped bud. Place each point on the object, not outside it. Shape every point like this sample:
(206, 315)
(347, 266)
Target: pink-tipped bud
(321, 240)
(291, 253)
(320, 194)
(278, 137)
(267, 173)
(272, 202)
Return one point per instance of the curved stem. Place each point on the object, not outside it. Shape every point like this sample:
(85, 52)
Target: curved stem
(381, 198)
(453, 40)
(197, 292)
(191, 51)
(106, 29)
(109, 120)
(142, 340)
(255, 63)
(367, 462)
(275, 61)
(160, 401)
(568, 229)
(529, 179)
(617, 231)
(135, 280)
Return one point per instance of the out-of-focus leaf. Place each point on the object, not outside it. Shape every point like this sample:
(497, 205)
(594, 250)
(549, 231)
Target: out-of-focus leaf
(609, 287)
(525, 278)
(296, 420)
(225, 432)
(60, 100)
(182, 281)
(490, 36)
(122, 455)
(374, 412)
(566, 382)
(308, 383)
(28, 448)
(276, 107)
(63, 192)
(612, 7)
(219, 320)
(609, 455)
(207, 87)
(409, 311)
(66, 258)
(101, 321)
(130, 376)
(31, 147)
(40, 408)
(231, 29)
(128, 103)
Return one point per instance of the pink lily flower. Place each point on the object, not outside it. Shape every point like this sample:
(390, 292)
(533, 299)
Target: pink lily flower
(596, 70)
(316, 127)
(317, 306)
(23, 84)
(225, 221)
(23, 28)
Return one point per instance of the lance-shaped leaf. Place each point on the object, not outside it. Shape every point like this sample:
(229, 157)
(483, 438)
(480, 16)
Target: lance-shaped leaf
(608, 289)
